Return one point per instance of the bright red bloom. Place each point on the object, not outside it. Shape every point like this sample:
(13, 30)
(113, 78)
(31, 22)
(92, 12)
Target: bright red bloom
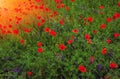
(62, 5)
(118, 4)
(39, 17)
(52, 33)
(29, 73)
(108, 41)
(38, 0)
(102, 26)
(43, 21)
(58, 1)
(90, 19)
(116, 16)
(70, 41)
(108, 19)
(75, 31)
(61, 22)
(47, 29)
(39, 44)
(87, 36)
(39, 24)
(101, 7)
(16, 32)
(104, 51)
(40, 50)
(116, 35)
(113, 65)
(62, 47)
(82, 69)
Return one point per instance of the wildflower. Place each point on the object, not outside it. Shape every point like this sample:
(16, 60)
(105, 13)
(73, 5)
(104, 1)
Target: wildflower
(15, 31)
(104, 51)
(82, 68)
(22, 41)
(61, 22)
(39, 44)
(92, 58)
(70, 41)
(116, 16)
(94, 31)
(108, 19)
(52, 33)
(99, 67)
(39, 24)
(67, 8)
(29, 73)
(47, 29)
(87, 36)
(102, 26)
(62, 47)
(40, 50)
(75, 30)
(108, 41)
(113, 65)
(101, 7)
(118, 4)
(116, 35)
(90, 19)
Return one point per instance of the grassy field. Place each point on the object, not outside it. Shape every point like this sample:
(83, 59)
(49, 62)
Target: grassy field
(77, 39)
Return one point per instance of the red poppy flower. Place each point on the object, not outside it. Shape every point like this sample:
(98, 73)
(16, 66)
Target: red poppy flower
(113, 65)
(40, 50)
(104, 51)
(61, 22)
(70, 41)
(55, 13)
(75, 31)
(39, 44)
(29, 73)
(38, 0)
(38, 17)
(108, 41)
(92, 58)
(52, 33)
(94, 31)
(67, 8)
(118, 4)
(15, 31)
(39, 24)
(108, 19)
(47, 29)
(102, 26)
(101, 7)
(116, 35)
(62, 47)
(90, 19)
(22, 41)
(62, 5)
(82, 69)
(116, 16)
(58, 1)
(87, 36)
